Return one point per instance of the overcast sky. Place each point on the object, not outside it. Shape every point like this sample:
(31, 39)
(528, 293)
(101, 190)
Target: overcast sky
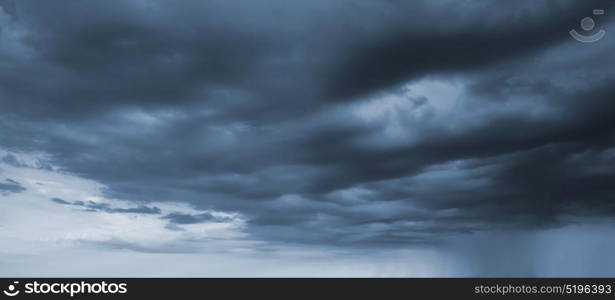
(306, 138)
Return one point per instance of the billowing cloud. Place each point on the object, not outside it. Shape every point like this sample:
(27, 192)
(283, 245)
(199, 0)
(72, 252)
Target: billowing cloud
(326, 123)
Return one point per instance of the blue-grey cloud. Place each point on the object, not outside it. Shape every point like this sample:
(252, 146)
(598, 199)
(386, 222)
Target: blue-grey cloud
(244, 107)
(179, 218)
(10, 186)
(104, 207)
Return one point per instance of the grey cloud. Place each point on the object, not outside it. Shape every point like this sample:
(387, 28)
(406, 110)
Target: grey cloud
(11, 186)
(137, 54)
(180, 218)
(12, 160)
(248, 108)
(138, 210)
(473, 43)
(9, 6)
(60, 201)
(104, 207)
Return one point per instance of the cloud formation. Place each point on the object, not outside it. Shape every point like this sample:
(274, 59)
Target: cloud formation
(11, 186)
(339, 123)
(76, 212)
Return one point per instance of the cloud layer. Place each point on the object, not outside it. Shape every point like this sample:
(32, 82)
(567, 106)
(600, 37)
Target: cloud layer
(329, 123)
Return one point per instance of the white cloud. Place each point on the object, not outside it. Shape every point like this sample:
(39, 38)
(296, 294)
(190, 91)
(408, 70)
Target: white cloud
(31, 216)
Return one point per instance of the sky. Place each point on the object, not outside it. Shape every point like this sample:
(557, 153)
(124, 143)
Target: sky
(306, 138)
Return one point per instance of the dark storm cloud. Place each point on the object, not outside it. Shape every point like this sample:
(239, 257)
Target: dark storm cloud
(471, 43)
(105, 54)
(249, 107)
(9, 7)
